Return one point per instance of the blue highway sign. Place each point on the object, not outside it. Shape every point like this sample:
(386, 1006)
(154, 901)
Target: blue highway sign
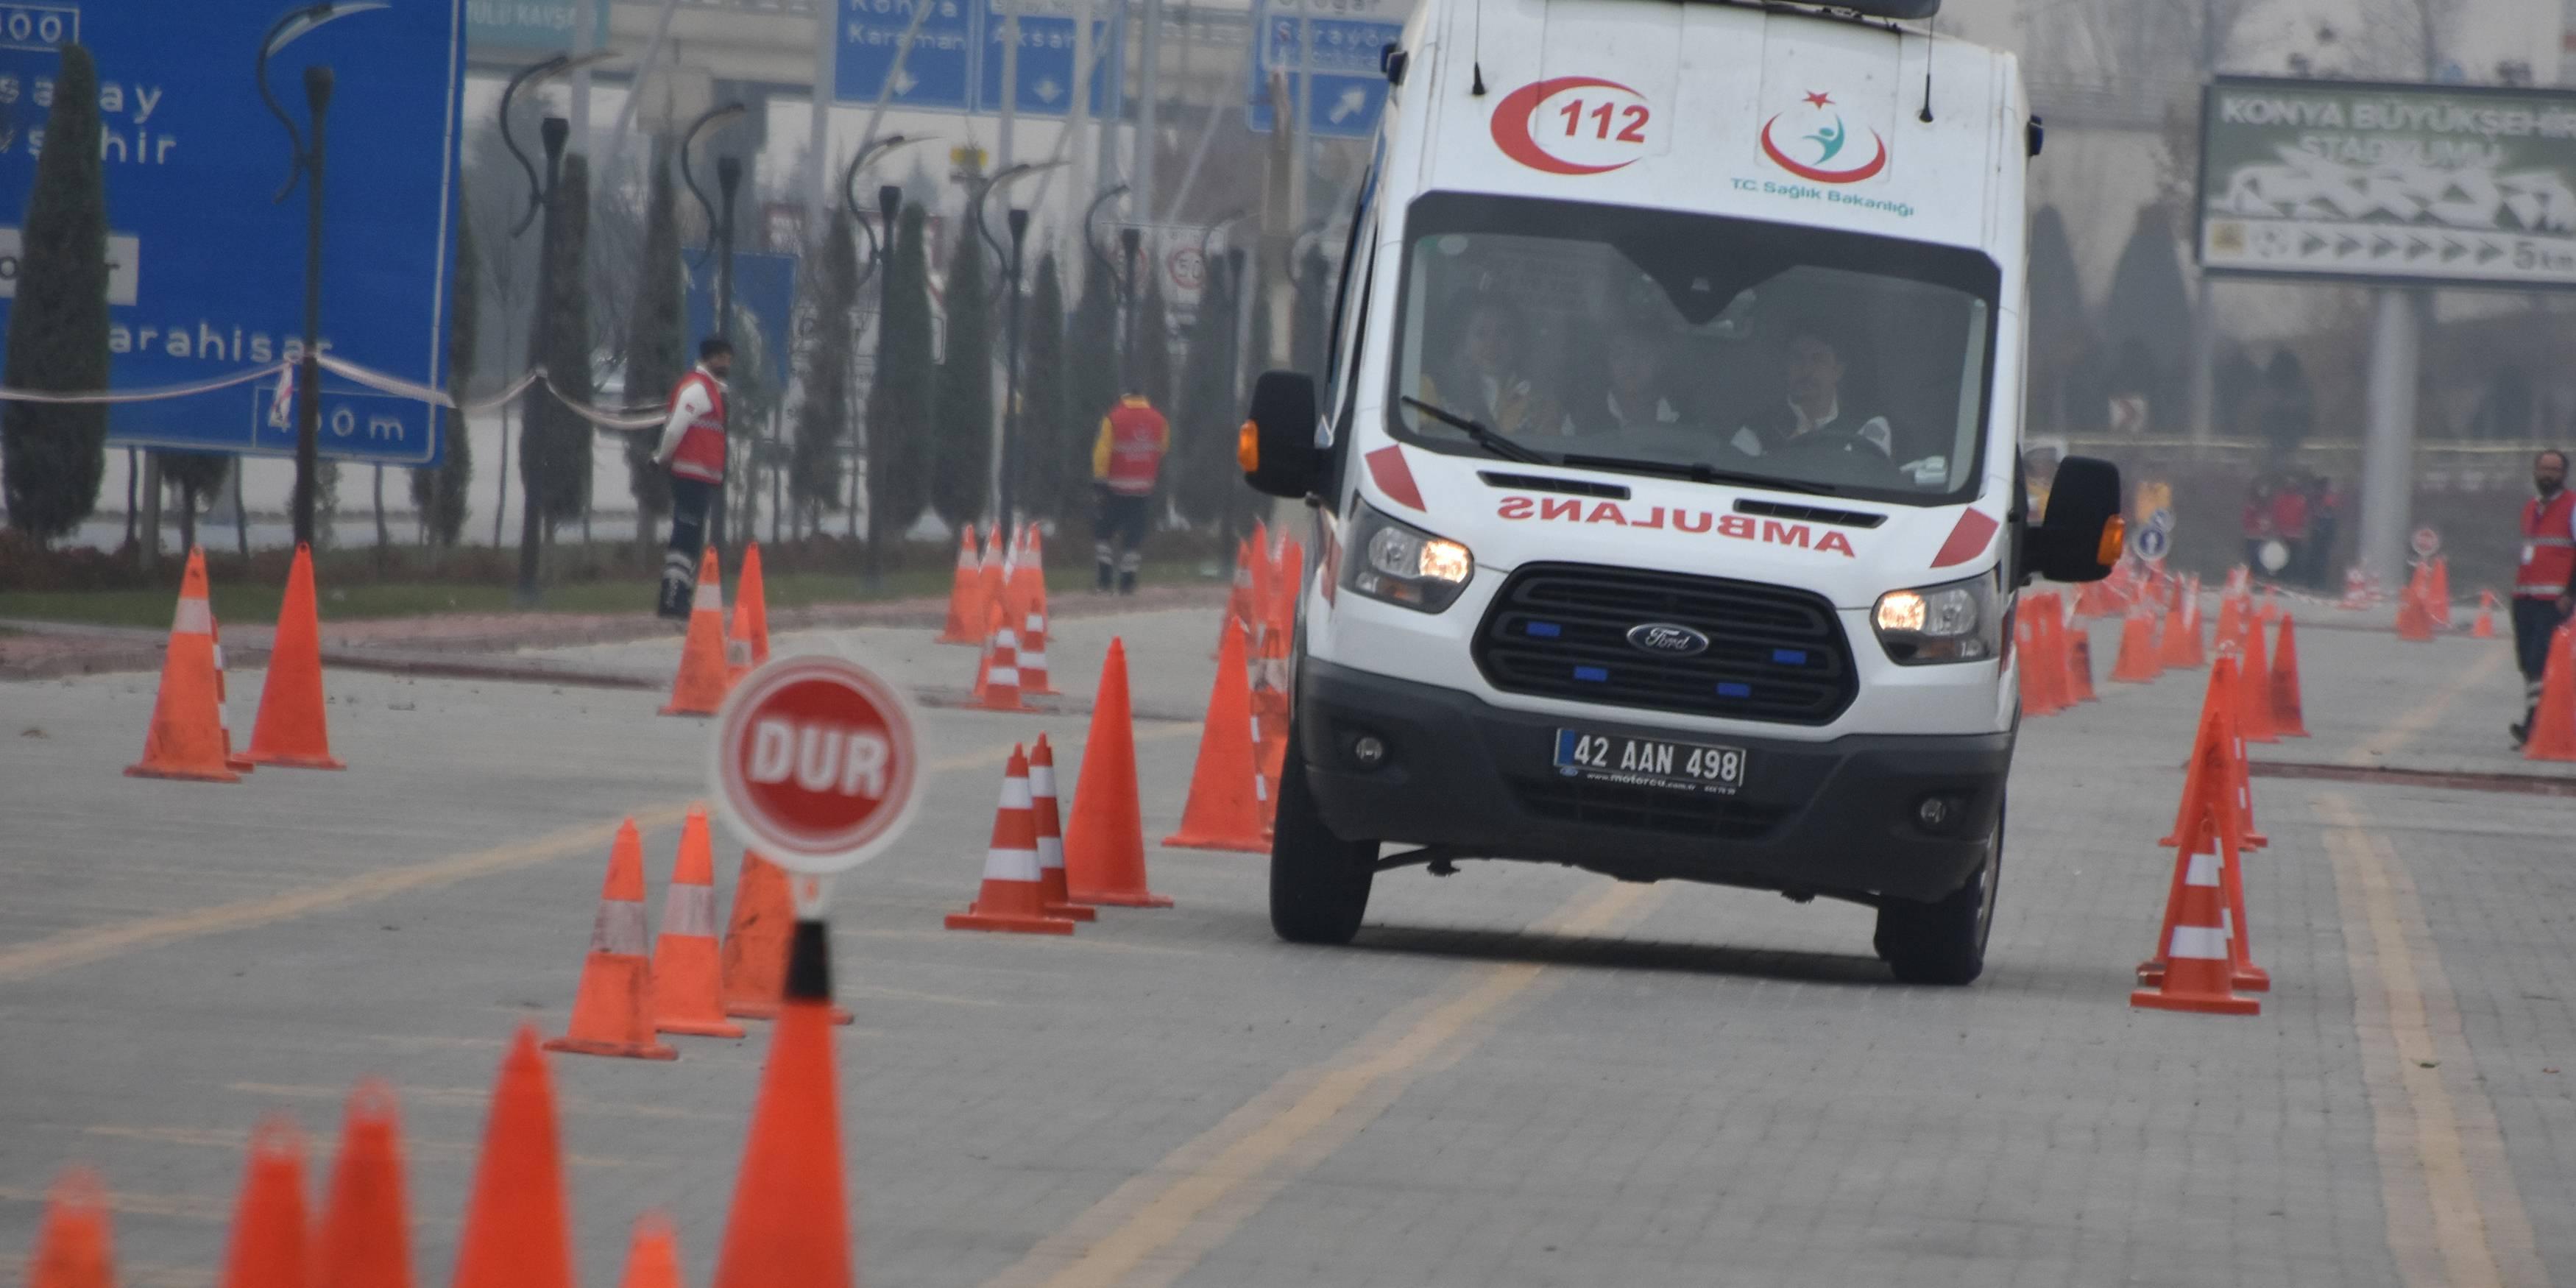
(764, 286)
(1046, 69)
(1344, 39)
(209, 278)
(938, 73)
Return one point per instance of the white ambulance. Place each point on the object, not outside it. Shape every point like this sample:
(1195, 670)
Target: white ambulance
(1668, 514)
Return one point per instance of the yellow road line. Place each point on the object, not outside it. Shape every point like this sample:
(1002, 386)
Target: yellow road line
(2427, 713)
(2455, 1217)
(1153, 1229)
(80, 947)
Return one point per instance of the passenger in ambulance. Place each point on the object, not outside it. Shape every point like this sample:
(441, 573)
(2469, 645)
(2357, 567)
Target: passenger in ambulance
(1813, 416)
(1487, 379)
(1632, 393)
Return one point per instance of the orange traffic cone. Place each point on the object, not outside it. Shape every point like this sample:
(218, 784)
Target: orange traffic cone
(989, 581)
(1013, 897)
(2553, 722)
(76, 1246)
(1033, 647)
(965, 594)
(269, 1240)
(292, 730)
(1104, 845)
(1269, 699)
(1055, 895)
(1224, 809)
(2288, 720)
(2054, 649)
(705, 674)
(747, 643)
(233, 760)
(515, 1232)
(1238, 598)
(2231, 616)
(613, 1012)
(653, 1254)
(687, 978)
(364, 1239)
(2219, 704)
(790, 1222)
(999, 689)
(1028, 572)
(187, 737)
(2034, 689)
(754, 957)
(2437, 598)
(2271, 610)
(2254, 687)
(2199, 962)
(2484, 627)
(2138, 663)
(2216, 786)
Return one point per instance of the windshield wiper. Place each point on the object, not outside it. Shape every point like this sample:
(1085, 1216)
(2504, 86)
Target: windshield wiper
(1699, 472)
(1484, 438)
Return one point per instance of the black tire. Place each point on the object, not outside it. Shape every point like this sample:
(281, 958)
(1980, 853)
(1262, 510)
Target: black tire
(1319, 883)
(1944, 942)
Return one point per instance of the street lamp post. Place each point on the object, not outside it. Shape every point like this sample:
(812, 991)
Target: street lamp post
(728, 181)
(554, 132)
(308, 165)
(1129, 239)
(889, 210)
(1019, 222)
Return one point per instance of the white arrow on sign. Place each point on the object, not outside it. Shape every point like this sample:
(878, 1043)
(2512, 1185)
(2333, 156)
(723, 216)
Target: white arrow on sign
(903, 82)
(1353, 101)
(1048, 90)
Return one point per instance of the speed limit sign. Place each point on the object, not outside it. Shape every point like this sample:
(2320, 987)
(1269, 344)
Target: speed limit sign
(815, 759)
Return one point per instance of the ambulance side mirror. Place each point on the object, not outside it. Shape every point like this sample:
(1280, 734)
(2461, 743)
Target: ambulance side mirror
(1276, 447)
(2081, 534)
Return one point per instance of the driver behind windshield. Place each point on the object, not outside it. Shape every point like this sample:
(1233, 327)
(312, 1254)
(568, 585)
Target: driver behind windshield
(1484, 379)
(1633, 393)
(1813, 416)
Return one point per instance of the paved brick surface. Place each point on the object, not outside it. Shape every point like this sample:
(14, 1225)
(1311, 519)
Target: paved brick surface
(1695, 1086)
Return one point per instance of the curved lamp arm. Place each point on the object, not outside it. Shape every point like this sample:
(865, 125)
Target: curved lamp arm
(689, 174)
(286, 31)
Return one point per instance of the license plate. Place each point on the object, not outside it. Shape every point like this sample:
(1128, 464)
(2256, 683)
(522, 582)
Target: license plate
(1650, 762)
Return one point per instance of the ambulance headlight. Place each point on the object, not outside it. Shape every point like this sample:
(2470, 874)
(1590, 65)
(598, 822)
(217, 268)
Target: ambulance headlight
(1955, 622)
(1400, 564)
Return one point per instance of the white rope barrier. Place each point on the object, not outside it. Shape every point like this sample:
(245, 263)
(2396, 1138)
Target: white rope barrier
(621, 419)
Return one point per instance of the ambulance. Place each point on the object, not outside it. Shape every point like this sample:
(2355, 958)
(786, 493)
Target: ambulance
(1668, 518)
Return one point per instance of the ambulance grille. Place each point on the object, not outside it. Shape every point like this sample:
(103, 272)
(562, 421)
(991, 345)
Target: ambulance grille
(1561, 631)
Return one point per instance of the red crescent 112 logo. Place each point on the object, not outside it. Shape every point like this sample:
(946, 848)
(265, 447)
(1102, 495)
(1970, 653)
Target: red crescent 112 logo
(1830, 158)
(1573, 125)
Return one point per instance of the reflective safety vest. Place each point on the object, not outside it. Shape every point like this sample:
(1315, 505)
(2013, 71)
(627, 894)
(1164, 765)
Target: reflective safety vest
(1134, 435)
(2548, 552)
(701, 453)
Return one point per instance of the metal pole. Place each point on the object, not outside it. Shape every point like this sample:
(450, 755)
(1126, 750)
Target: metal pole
(1128, 375)
(2388, 455)
(1303, 138)
(308, 379)
(1149, 108)
(728, 181)
(889, 212)
(583, 31)
(1010, 85)
(1019, 221)
(827, 45)
(1077, 121)
(643, 75)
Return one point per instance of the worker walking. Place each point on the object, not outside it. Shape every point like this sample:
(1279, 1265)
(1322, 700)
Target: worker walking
(693, 450)
(1125, 461)
(2544, 586)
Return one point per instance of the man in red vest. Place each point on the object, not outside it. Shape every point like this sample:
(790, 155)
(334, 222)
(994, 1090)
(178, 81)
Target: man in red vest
(693, 450)
(1125, 460)
(2544, 587)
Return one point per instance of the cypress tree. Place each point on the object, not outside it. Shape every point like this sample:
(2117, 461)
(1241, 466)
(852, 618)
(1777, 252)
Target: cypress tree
(899, 400)
(554, 444)
(1044, 423)
(197, 475)
(657, 344)
(440, 493)
(814, 476)
(1091, 385)
(1203, 422)
(55, 455)
(962, 453)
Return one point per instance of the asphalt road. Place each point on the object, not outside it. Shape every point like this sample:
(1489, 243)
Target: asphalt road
(1518, 1076)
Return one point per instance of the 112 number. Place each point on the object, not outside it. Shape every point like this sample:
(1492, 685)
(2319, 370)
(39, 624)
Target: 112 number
(1635, 114)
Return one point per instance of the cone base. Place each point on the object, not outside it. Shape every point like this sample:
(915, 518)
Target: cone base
(770, 1010)
(625, 1050)
(2252, 979)
(2208, 1004)
(292, 760)
(182, 775)
(716, 1028)
(238, 763)
(1239, 844)
(1011, 925)
(1125, 899)
(1072, 912)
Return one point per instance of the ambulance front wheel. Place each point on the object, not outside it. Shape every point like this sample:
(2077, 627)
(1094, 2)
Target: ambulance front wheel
(1944, 941)
(1319, 883)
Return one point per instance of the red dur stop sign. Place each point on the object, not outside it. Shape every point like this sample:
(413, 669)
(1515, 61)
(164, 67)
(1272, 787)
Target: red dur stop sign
(815, 761)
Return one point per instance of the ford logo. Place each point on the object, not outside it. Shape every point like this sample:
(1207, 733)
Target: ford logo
(1667, 639)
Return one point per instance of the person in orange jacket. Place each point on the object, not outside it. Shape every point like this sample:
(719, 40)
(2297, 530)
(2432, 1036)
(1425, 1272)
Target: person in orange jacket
(692, 447)
(1125, 461)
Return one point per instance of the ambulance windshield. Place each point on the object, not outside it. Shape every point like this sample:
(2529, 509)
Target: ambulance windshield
(1694, 345)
